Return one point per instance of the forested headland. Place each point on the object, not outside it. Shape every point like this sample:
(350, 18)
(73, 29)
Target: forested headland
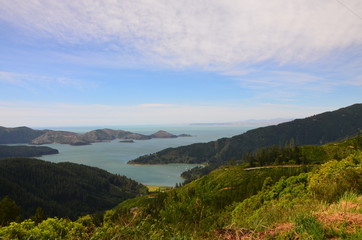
(63, 189)
(25, 151)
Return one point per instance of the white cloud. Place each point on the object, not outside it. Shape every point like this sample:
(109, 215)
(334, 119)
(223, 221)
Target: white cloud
(181, 33)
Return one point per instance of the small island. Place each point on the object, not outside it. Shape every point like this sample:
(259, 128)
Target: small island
(126, 141)
(184, 135)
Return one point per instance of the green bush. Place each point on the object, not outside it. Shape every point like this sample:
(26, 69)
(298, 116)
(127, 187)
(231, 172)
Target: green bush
(273, 204)
(334, 178)
(52, 228)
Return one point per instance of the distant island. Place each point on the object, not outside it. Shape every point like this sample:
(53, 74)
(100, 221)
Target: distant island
(38, 137)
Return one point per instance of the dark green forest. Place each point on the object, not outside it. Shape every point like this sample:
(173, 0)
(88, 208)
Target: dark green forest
(25, 151)
(63, 189)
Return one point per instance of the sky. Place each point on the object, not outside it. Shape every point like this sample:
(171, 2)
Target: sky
(129, 62)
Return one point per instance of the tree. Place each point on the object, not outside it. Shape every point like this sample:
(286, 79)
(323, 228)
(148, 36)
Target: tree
(39, 215)
(9, 211)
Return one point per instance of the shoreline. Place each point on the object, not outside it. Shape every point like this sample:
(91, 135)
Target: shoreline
(155, 164)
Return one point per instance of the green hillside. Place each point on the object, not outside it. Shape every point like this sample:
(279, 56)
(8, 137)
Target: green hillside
(314, 130)
(63, 189)
(313, 201)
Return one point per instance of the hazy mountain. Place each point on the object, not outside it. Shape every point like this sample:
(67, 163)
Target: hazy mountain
(19, 135)
(162, 134)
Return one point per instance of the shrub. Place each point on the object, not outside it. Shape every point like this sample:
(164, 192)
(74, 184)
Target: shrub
(334, 178)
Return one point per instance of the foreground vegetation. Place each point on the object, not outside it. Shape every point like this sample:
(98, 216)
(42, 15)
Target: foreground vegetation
(313, 201)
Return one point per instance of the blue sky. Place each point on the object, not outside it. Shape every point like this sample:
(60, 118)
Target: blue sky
(94, 63)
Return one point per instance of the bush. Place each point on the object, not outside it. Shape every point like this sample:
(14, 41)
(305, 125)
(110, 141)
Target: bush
(334, 178)
(52, 228)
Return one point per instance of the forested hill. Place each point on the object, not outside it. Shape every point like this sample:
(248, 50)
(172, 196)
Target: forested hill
(19, 135)
(318, 129)
(63, 189)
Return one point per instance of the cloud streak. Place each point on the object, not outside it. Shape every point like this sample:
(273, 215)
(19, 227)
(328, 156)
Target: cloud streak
(210, 34)
(32, 82)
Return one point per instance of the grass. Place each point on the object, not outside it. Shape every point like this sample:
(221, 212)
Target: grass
(308, 227)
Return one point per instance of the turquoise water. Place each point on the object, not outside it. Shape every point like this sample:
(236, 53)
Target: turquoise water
(113, 156)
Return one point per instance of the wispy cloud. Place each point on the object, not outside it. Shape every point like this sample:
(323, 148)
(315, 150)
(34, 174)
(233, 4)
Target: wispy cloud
(279, 79)
(33, 82)
(154, 105)
(285, 86)
(357, 81)
(192, 33)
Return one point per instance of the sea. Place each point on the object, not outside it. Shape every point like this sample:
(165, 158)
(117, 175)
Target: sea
(113, 156)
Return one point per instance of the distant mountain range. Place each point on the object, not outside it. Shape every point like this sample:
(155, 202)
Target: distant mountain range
(317, 129)
(38, 137)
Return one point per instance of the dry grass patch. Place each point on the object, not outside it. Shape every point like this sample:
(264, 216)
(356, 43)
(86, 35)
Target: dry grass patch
(244, 234)
(346, 215)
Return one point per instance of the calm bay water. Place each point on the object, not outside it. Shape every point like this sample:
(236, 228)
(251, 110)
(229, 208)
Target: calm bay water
(113, 156)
